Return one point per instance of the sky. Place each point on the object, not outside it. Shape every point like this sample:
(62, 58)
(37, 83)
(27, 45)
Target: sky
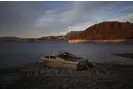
(46, 18)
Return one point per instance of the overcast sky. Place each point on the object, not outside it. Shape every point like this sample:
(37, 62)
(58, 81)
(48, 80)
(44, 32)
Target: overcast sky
(37, 19)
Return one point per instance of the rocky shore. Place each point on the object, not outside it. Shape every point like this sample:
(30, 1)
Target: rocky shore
(39, 76)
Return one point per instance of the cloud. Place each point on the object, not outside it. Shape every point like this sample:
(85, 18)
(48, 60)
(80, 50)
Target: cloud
(78, 16)
(126, 18)
(37, 19)
(78, 13)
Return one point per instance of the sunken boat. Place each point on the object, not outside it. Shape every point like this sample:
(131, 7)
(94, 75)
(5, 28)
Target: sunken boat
(66, 60)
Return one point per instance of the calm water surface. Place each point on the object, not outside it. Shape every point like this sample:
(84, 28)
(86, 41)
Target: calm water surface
(13, 53)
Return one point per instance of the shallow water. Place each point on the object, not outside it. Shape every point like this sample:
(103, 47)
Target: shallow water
(13, 53)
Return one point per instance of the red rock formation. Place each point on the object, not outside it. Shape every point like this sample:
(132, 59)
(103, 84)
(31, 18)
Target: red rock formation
(108, 31)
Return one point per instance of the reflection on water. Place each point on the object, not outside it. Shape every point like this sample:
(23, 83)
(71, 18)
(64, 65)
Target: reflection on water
(12, 53)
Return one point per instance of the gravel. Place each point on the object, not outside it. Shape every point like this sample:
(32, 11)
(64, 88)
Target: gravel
(39, 76)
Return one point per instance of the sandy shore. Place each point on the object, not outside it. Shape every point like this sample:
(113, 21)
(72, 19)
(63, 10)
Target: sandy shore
(39, 76)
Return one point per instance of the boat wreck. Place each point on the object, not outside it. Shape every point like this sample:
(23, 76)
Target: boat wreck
(67, 60)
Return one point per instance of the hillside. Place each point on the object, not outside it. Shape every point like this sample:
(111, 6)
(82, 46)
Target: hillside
(107, 31)
(72, 34)
(47, 38)
(52, 38)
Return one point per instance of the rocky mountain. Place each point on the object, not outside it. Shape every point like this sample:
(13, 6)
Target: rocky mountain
(103, 31)
(107, 31)
(72, 34)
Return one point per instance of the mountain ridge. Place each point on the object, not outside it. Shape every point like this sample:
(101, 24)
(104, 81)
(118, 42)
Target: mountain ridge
(109, 31)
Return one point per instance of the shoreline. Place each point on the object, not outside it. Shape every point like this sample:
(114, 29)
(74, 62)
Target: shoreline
(78, 41)
(32, 41)
(129, 41)
(126, 55)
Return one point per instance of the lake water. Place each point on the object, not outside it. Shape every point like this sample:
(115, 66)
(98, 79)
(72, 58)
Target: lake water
(13, 53)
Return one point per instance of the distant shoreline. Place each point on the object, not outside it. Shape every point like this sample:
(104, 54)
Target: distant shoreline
(129, 41)
(126, 55)
(77, 41)
(31, 41)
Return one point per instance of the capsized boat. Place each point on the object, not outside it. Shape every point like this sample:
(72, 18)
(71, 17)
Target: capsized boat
(66, 60)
